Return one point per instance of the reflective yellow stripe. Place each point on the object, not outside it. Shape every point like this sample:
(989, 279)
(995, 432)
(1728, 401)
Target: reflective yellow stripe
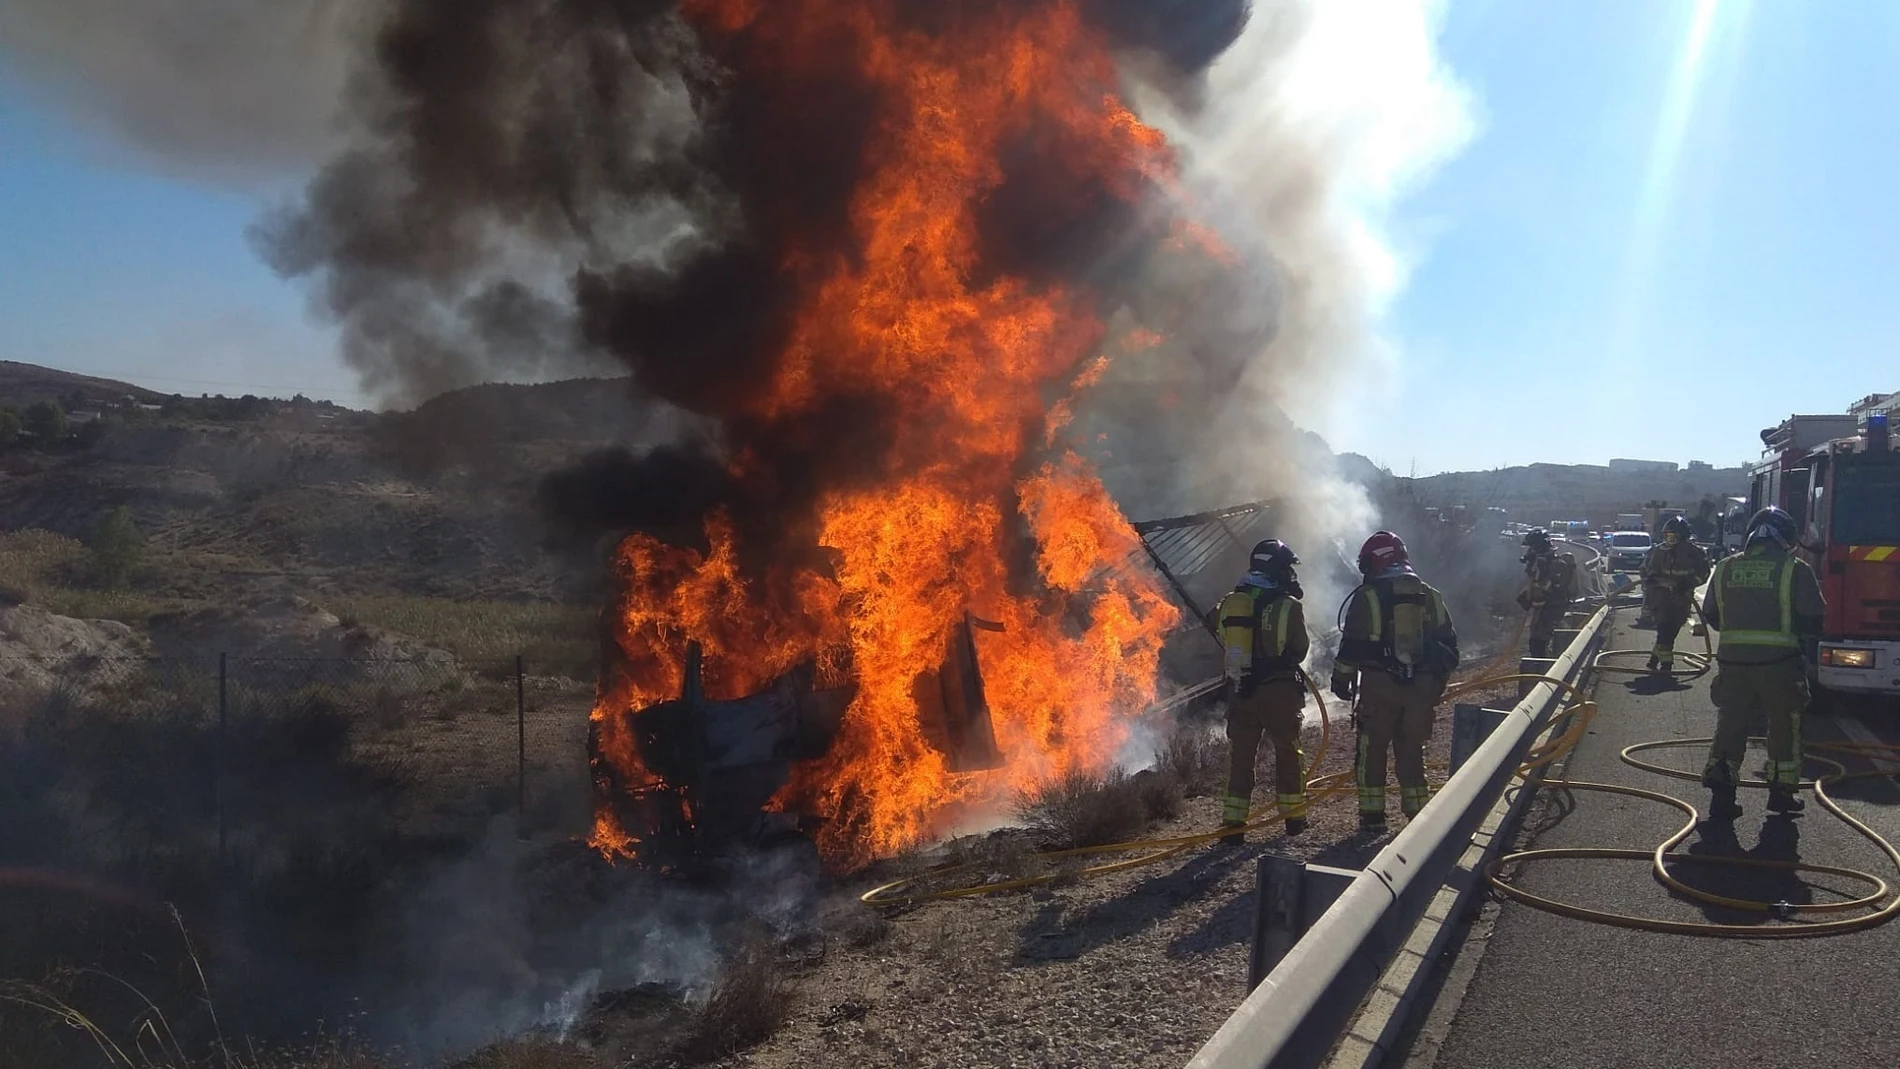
(1281, 616)
(1879, 553)
(1378, 615)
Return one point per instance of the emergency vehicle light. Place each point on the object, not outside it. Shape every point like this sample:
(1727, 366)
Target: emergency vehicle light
(1836, 657)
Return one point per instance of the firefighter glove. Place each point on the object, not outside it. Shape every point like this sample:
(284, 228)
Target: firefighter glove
(1343, 686)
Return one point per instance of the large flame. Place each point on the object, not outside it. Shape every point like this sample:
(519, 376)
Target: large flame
(971, 508)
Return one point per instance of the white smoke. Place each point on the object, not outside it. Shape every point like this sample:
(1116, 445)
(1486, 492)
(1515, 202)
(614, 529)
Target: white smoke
(1306, 138)
(241, 91)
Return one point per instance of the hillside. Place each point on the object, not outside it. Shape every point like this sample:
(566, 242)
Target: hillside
(1539, 493)
(396, 516)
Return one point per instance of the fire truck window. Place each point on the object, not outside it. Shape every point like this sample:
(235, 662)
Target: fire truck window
(1867, 506)
(1817, 512)
(1795, 492)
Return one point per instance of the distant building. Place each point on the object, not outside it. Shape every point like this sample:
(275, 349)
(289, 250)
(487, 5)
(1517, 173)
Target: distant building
(1645, 467)
(1872, 404)
(1701, 465)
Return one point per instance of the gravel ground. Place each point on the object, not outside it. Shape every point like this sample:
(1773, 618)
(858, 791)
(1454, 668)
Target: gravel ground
(1135, 968)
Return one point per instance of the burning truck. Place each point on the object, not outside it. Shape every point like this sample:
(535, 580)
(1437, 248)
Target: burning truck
(874, 255)
(899, 601)
(710, 768)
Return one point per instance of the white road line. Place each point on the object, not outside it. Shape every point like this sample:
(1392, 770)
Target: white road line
(1859, 732)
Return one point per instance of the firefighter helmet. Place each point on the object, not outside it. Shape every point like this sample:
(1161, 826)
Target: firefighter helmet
(1381, 551)
(1272, 557)
(1678, 526)
(1537, 540)
(1775, 523)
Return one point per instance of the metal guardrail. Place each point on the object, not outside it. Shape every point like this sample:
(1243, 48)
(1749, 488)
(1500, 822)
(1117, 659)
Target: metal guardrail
(1293, 1019)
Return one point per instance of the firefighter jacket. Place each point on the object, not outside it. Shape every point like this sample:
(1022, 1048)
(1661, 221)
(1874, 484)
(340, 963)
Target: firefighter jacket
(1764, 601)
(1263, 631)
(1549, 577)
(1397, 623)
(1678, 569)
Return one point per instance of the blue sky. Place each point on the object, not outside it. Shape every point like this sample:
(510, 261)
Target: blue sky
(1678, 223)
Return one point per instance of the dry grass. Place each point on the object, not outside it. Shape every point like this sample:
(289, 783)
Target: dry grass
(43, 569)
(552, 638)
(527, 1054)
(1196, 758)
(749, 1004)
(1085, 809)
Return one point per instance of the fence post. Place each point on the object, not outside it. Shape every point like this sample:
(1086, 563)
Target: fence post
(218, 772)
(521, 749)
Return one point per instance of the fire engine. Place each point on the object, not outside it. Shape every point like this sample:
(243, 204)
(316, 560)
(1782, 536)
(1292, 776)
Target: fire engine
(1841, 482)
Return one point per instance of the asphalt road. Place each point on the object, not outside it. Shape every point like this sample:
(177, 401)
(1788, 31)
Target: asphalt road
(1550, 991)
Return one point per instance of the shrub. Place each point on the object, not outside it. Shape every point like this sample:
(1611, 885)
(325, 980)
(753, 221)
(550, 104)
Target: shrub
(1084, 809)
(116, 548)
(1195, 758)
(750, 1003)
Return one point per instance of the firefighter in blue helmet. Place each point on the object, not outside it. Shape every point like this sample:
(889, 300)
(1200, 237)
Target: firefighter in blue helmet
(1263, 632)
(1397, 651)
(1766, 603)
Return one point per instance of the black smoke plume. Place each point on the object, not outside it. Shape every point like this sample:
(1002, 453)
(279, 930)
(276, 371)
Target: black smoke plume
(550, 184)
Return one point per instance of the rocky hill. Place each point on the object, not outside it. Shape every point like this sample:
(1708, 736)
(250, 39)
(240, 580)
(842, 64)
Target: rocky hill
(1539, 493)
(391, 516)
(242, 496)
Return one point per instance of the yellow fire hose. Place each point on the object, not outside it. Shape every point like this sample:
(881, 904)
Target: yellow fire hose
(1663, 854)
(1579, 713)
(1318, 789)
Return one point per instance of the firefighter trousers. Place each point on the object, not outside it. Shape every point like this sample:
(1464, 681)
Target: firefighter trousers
(1545, 620)
(1670, 610)
(1745, 693)
(1273, 710)
(1397, 717)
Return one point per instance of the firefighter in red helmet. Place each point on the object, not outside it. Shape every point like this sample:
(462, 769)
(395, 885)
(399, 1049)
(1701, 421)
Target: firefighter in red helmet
(1396, 653)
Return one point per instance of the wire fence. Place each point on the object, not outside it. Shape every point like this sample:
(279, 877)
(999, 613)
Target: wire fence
(115, 762)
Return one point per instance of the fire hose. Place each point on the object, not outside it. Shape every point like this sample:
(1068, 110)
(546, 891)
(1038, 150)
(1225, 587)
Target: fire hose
(1664, 854)
(1319, 789)
(1575, 718)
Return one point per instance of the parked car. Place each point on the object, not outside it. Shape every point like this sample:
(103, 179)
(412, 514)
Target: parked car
(1626, 551)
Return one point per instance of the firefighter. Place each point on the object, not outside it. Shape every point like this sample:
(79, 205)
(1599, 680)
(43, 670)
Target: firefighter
(1396, 653)
(1765, 601)
(1674, 568)
(1550, 585)
(1263, 629)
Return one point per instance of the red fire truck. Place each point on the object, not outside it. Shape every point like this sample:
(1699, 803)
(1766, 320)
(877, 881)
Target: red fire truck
(1841, 482)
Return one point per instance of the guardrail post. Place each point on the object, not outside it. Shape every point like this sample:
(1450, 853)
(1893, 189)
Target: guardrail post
(1532, 666)
(1290, 897)
(1279, 913)
(1561, 639)
(1470, 726)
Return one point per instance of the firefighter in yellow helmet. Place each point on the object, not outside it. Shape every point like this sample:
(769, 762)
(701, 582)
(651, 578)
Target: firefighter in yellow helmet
(1263, 631)
(1550, 585)
(1766, 603)
(1674, 568)
(1396, 653)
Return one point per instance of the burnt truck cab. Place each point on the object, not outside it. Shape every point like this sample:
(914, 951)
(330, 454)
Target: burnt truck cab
(1850, 521)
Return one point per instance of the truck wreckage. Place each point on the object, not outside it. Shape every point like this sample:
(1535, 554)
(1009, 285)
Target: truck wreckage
(712, 767)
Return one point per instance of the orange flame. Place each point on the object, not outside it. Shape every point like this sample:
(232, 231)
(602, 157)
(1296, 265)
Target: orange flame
(965, 358)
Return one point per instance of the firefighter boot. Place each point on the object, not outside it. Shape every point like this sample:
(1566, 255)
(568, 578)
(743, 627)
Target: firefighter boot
(1232, 835)
(1295, 825)
(1782, 799)
(1651, 666)
(1372, 822)
(1722, 806)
